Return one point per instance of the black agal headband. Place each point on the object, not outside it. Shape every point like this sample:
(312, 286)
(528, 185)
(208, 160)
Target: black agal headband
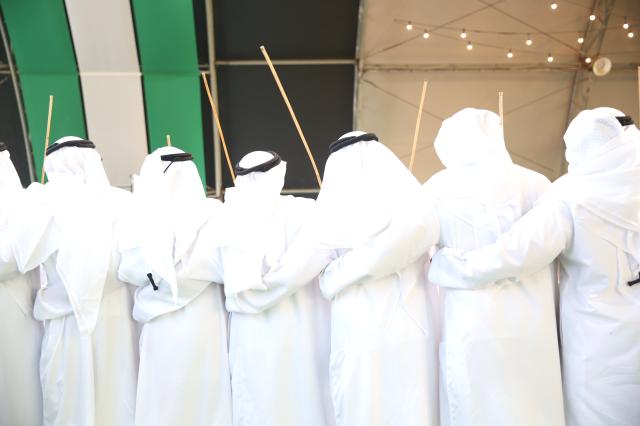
(264, 167)
(625, 120)
(3, 147)
(177, 157)
(78, 143)
(344, 142)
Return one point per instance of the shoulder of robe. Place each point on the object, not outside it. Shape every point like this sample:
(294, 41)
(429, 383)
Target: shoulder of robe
(533, 177)
(437, 183)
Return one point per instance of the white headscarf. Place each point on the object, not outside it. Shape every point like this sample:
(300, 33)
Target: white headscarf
(250, 208)
(10, 185)
(471, 145)
(78, 194)
(173, 206)
(363, 185)
(604, 168)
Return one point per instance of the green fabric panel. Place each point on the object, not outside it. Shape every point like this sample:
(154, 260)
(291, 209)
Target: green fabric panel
(41, 45)
(173, 108)
(166, 38)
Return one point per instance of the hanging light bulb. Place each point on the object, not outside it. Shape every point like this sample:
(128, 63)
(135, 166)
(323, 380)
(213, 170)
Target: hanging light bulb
(425, 34)
(510, 54)
(409, 26)
(580, 39)
(463, 34)
(549, 58)
(554, 5)
(529, 42)
(469, 45)
(592, 17)
(626, 24)
(630, 34)
(587, 60)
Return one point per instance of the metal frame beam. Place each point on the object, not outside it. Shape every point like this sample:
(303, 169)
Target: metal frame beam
(213, 83)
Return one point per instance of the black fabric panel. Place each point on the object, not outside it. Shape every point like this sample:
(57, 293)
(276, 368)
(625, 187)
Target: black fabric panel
(290, 29)
(254, 116)
(10, 130)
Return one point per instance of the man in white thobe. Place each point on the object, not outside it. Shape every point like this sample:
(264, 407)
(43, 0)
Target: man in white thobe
(89, 356)
(383, 351)
(279, 337)
(21, 334)
(590, 220)
(184, 372)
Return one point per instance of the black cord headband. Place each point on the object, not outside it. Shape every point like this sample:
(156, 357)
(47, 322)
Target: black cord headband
(3, 147)
(264, 167)
(344, 142)
(78, 143)
(625, 120)
(178, 156)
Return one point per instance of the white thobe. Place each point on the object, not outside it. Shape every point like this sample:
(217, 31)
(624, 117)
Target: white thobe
(599, 311)
(87, 379)
(279, 339)
(20, 391)
(184, 369)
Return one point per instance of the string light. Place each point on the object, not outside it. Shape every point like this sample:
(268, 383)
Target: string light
(587, 60)
(626, 24)
(510, 54)
(463, 34)
(469, 45)
(529, 42)
(630, 34)
(580, 39)
(554, 5)
(549, 58)
(592, 17)
(409, 26)
(425, 34)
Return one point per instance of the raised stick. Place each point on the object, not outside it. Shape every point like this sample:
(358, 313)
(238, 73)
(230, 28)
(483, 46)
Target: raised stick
(416, 132)
(501, 108)
(217, 118)
(293, 115)
(46, 138)
(168, 140)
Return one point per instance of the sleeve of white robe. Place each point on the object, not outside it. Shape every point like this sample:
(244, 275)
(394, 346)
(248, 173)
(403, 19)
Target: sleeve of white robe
(35, 235)
(204, 263)
(303, 261)
(8, 265)
(413, 231)
(531, 243)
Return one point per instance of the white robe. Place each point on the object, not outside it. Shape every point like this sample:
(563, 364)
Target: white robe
(20, 391)
(184, 370)
(598, 254)
(184, 373)
(383, 362)
(499, 356)
(279, 339)
(87, 379)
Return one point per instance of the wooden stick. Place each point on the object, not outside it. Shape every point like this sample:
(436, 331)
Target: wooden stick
(500, 108)
(217, 118)
(293, 115)
(46, 138)
(416, 132)
(638, 94)
(168, 140)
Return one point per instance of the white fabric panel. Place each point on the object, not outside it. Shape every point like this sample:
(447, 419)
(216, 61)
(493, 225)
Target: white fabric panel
(105, 45)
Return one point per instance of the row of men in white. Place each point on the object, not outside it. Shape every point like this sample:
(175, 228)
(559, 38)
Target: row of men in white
(136, 330)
